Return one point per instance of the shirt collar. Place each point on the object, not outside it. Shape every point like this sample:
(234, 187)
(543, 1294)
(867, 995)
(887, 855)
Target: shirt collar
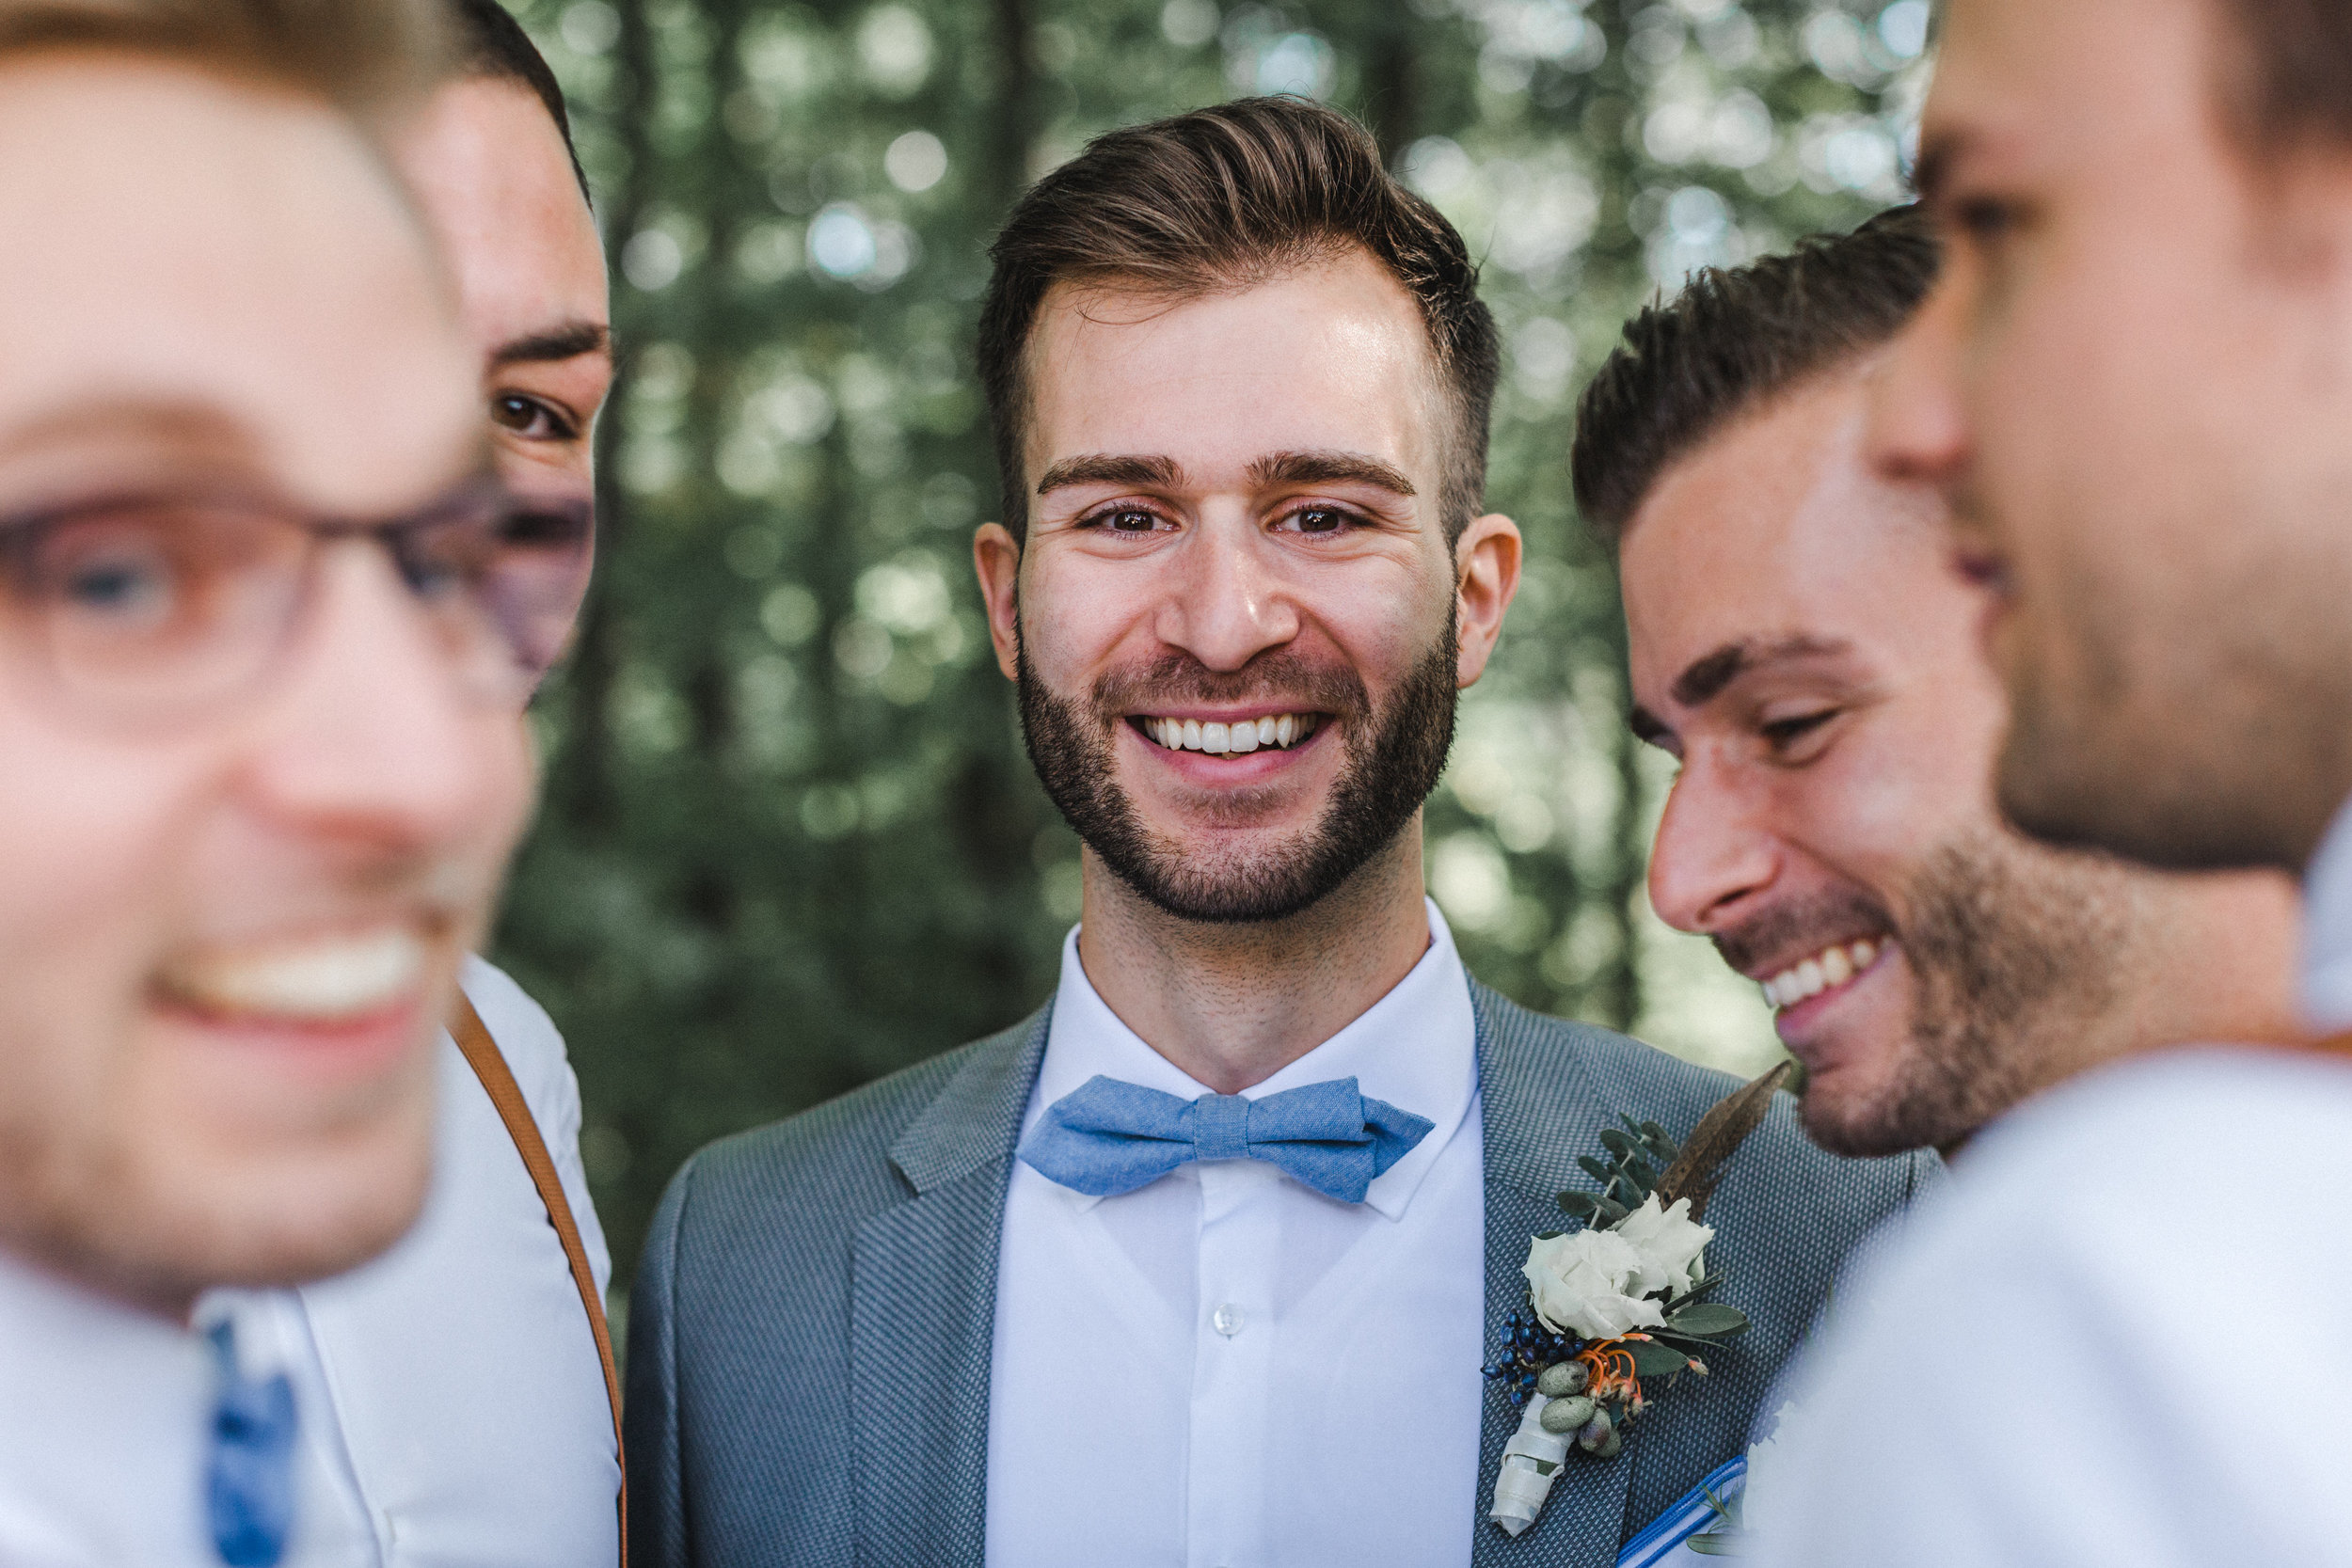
(1416, 1048)
(2327, 927)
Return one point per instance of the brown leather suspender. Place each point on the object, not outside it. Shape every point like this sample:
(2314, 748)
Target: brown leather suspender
(482, 1052)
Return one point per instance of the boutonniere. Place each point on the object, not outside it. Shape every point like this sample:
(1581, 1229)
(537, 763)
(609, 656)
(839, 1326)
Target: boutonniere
(1627, 1297)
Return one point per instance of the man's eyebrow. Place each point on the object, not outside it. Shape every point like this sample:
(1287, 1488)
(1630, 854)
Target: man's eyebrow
(569, 342)
(1328, 467)
(1704, 679)
(1111, 468)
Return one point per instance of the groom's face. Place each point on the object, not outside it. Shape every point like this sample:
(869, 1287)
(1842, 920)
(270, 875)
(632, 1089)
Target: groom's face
(1234, 617)
(1802, 648)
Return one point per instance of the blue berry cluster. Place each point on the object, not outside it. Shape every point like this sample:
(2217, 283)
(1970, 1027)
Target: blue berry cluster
(1527, 1348)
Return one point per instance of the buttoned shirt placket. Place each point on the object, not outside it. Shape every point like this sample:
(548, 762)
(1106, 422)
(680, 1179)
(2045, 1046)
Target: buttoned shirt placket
(1233, 1340)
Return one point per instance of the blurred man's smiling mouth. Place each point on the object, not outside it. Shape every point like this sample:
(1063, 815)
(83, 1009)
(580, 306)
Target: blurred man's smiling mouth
(312, 981)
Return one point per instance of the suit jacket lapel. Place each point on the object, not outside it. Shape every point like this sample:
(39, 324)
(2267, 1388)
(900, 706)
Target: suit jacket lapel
(1535, 1119)
(923, 1311)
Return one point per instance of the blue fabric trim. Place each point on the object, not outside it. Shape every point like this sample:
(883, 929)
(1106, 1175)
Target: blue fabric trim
(1690, 1515)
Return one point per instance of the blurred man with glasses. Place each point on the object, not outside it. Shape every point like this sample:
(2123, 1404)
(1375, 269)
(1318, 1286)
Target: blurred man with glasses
(266, 627)
(500, 1285)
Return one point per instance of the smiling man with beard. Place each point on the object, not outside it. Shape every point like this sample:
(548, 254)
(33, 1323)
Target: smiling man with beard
(1803, 649)
(1198, 1264)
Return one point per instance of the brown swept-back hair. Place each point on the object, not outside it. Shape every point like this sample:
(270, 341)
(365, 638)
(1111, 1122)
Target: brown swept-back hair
(1732, 339)
(371, 59)
(1227, 197)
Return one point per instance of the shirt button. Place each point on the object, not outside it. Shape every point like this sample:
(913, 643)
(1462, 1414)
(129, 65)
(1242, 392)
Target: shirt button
(1226, 1320)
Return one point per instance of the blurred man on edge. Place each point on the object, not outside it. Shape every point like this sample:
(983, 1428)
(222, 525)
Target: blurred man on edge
(2124, 1339)
(484, 1293)
(266, 628)
(1803, 650)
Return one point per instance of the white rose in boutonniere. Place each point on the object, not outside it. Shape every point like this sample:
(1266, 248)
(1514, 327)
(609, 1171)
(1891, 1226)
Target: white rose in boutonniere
(1584, 1284)
(1670, 1242)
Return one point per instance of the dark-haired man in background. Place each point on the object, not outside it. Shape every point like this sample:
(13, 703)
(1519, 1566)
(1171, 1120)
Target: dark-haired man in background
(1803, 650)
(473, 1421)
(1240, 382)
(2134, 385)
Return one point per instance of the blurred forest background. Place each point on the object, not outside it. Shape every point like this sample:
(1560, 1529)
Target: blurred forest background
(790, 841)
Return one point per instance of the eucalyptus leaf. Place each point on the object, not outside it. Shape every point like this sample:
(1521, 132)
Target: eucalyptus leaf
(1708, 1320)
(1717, 1543)
(1615, 1142)
(1582, 1205)
(1610, 1212)
(1550, 1235)
(1599, 1170)
(1652, 1359)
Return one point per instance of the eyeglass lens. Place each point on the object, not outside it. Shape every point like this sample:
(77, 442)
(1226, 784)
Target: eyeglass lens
(152, 608)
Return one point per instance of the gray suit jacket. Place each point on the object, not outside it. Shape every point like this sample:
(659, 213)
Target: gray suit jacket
(812, 1326)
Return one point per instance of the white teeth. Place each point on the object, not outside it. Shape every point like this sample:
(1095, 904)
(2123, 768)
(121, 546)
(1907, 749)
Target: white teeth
(1826, 971)
(1230, 739)
(346, 977)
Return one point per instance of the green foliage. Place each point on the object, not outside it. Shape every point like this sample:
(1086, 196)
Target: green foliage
(1637, 1155)
(790, 840)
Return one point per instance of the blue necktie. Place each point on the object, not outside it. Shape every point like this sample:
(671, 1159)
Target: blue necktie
(248, 1469)
(1108, 1137)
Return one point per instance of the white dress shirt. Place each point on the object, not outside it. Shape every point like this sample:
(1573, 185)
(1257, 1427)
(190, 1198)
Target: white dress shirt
(467, 1420)
(2123, 1337)
(103, 1412)
(1226, 1369)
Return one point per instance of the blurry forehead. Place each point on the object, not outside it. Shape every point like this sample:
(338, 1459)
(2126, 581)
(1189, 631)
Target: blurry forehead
(180, 241)
(2032, 76)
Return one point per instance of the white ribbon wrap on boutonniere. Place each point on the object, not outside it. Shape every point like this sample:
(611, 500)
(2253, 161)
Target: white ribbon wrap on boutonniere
(1624, 1299)
(1530, 1459)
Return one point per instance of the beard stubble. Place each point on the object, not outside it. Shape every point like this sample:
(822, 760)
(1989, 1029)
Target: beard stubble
(1394, 756)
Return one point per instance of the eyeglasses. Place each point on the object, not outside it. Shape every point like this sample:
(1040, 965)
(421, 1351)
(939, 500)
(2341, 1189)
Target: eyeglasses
(149, 608)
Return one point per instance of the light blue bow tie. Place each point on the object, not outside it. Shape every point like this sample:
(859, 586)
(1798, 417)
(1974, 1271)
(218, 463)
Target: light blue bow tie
(1108, 1137)
(249, 1467)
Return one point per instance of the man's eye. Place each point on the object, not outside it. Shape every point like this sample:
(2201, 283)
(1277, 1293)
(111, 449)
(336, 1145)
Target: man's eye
(1124, 519)
(1320, 519)
(1985, 220)
(530, 419)
(1783, 733)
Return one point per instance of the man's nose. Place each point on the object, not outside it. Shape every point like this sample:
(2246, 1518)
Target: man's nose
(374, 737)
(1226, 602)
(1710, 855)
(1919, 430)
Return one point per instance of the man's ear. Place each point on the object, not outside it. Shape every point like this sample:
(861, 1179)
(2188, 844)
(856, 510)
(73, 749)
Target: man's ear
(996, 557)
(1485, 579)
